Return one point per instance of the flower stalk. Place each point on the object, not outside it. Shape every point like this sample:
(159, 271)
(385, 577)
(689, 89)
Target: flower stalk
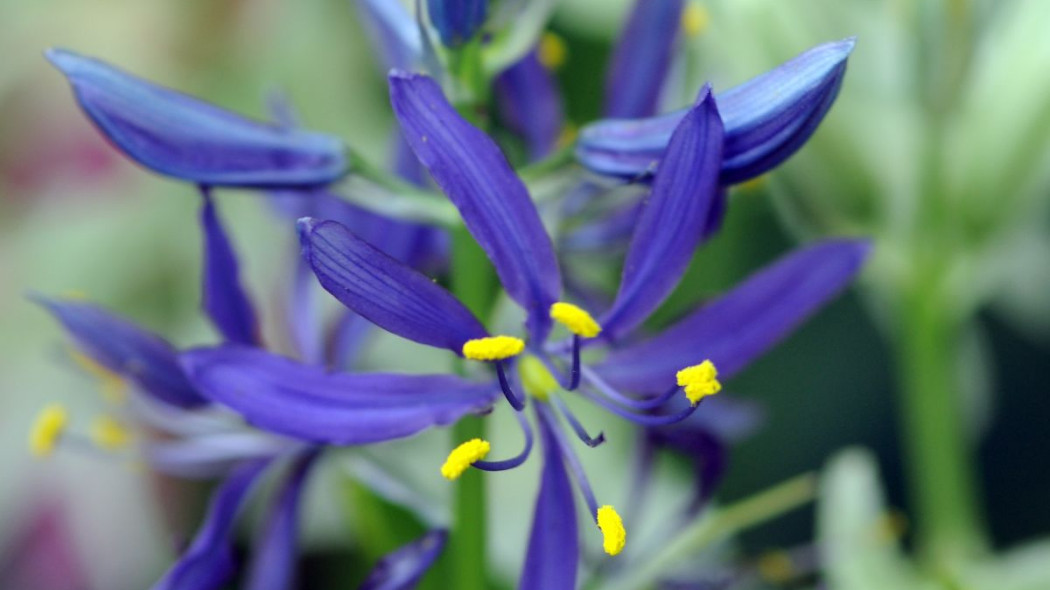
(943, 485)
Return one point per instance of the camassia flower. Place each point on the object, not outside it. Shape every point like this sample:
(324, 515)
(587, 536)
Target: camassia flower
(686, 361)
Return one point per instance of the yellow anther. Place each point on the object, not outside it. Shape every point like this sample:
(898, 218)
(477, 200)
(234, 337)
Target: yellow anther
(109, 434)
(567, 136)
(699, 381)
(537, 379)
(614, 536)
(552, 51)
(493, 348)
(776, 567)
(578, 321)
(112, 387)
(47, 429)
(464, 456)
(695, 19)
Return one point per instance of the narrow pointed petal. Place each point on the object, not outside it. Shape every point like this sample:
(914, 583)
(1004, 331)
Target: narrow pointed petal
(307, 402)
(673, 220)
(223, 297)
(126, 349)
(642, 59)
(385, 291)
(554, 543)
(212, 455)
(493, 201)
(275, 553)
(457, 21)
(746, 322)
(531, 105)
(767, 119)
(209, 563)
(402, 569)
(180, 136)
(393, 33)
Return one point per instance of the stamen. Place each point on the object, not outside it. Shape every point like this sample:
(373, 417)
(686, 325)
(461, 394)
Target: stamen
(699, 381)
(464, 456)
(614, 536)
(577, 427)
(552, 51)
(109, 434)
(537, 378)
(695, 19)
(493, 348)
(513, 461)
(574, 376)
(48, 428)
(550, 421)
(612, 393)
(578, 321)
(643, 419)
(508, 392)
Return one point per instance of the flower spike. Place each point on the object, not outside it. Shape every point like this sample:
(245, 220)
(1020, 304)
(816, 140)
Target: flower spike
(180, 136)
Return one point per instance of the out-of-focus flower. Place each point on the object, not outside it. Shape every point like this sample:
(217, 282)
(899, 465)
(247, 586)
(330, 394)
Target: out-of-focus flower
(766, 120)
(457, 21)
(642, 59)
(180, 136)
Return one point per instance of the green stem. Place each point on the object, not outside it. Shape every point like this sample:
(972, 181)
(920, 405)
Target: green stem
(474, 285)
(943, 486)
(716, 525)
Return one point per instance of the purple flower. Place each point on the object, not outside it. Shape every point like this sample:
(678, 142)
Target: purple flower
(766, 120)
(498, 212)
(457, 21)
(180, 136)
(642, 59)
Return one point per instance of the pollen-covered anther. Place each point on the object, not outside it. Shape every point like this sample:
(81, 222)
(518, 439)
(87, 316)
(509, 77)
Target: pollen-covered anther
(695, 19)
(614, 536)
(109, 434)
(464, 456)
(552, 51)
(48, 428)
(578, 321)
(493, 348)
(699, 381)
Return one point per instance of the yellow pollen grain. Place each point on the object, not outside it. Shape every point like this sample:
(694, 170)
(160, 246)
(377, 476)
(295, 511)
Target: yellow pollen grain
(493, 348)
(614, 536)
(537, 379)
(578, 321)
(695, 19)
(464, 456)
(109, 434)
(47, 429)
(699, 381)
(552, 51)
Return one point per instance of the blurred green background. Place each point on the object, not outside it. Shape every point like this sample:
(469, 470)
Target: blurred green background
(76, 217)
